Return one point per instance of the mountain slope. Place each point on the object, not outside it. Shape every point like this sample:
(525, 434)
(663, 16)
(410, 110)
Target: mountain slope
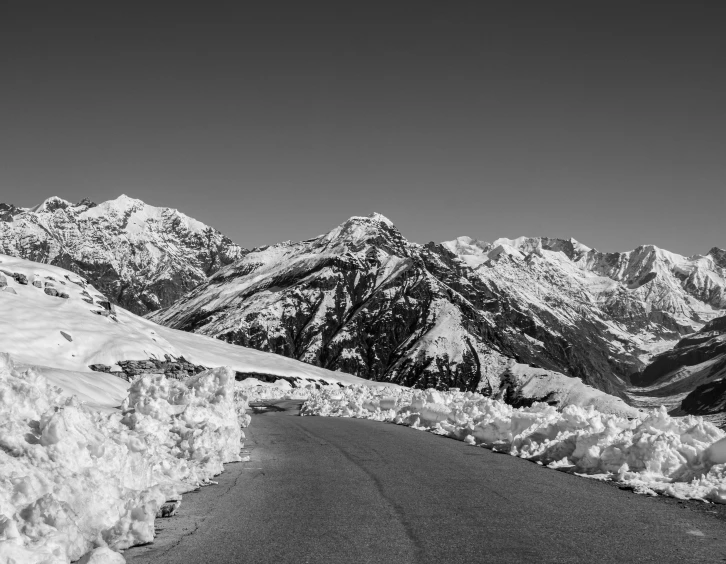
(691, 377)
(358, 299)
(54, 318)
(141, 257)
(364, 300)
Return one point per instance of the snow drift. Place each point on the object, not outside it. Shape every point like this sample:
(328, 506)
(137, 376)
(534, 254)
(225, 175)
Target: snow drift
(681, 457)
(73, 479)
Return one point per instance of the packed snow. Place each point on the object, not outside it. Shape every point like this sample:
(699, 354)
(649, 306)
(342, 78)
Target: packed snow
(75, 480)
(654, 453)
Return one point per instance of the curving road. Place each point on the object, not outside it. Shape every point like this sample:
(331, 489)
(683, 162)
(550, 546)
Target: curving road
(323, 490)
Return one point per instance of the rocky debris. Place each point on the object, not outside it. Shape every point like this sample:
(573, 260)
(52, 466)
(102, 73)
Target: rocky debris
(100, 368)
(51, 291)
(3, 281)
(66, 336)
(9, 211)
(79, 282)
(37, 283)
(295, 382)
(177, 368)
(168, 509)
(20, 278)
(142, 257)
(108, 306)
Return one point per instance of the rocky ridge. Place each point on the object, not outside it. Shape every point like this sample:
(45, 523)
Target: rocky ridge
(142, 257)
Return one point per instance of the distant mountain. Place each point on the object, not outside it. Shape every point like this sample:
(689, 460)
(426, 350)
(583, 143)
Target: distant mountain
(140, 256)
(691, 377)
(364, 300)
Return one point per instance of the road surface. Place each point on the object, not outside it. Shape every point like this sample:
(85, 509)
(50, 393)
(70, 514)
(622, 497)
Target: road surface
(329, 490)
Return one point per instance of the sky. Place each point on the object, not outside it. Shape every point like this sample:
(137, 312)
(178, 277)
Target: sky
(599, 120)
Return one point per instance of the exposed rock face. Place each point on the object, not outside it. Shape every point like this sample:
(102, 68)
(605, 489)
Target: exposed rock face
(363, 300)
(142, 257)
(718, 256)
(8, 211)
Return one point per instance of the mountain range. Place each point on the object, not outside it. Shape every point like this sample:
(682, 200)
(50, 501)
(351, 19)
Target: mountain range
(364, 300)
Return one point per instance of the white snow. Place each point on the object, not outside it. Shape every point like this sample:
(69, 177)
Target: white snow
(682, 457)
(563, 390)
(73, 479)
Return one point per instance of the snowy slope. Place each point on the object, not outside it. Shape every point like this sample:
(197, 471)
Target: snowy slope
(142, 257)
(66, 334)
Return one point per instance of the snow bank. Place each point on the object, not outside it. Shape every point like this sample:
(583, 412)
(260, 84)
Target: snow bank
(681, 457)
(73, 480)
(252, 390)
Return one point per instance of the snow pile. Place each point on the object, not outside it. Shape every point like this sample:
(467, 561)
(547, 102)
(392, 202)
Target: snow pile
(253, 390)
(73, 479)
(682, 457)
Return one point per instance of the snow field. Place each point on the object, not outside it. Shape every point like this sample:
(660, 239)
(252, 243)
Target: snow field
(654, 453)
(74, 479)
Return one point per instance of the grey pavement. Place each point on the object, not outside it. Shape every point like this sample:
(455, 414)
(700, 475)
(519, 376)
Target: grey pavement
(329, 490)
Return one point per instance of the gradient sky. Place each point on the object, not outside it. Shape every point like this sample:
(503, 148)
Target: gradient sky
(599, 120)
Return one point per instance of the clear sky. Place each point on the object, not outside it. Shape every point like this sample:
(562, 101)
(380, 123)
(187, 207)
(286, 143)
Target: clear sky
(599, 120)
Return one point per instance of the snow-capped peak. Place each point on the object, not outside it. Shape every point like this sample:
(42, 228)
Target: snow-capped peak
(50, 205)
(380, 218)
(359, 230)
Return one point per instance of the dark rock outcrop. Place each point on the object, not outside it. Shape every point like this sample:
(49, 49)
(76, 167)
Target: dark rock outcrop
(177, 368)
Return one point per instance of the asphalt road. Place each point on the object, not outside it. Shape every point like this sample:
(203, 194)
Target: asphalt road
(324, 490)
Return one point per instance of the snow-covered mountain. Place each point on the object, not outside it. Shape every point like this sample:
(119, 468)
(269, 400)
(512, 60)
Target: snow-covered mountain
(142, 257)
(643, 288)
(364, 300)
